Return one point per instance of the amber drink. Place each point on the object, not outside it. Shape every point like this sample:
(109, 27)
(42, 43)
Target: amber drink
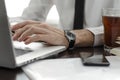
(111, 22)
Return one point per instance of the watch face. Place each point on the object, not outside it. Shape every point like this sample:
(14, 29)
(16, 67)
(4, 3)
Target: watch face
(71, 38)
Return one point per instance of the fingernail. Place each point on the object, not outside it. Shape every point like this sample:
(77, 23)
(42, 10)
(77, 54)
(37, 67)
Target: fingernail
(14, 38)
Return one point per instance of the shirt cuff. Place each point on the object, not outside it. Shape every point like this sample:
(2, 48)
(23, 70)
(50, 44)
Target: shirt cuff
(98, 35)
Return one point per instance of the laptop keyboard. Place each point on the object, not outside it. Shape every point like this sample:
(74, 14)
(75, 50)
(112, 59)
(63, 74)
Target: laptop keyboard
(19, 52)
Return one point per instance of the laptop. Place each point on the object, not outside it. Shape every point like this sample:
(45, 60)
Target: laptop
(15, 54)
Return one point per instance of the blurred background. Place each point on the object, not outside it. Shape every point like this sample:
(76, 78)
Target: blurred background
(16, 7)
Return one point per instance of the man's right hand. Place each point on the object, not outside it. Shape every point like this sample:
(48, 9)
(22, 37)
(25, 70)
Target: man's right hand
(30, 31)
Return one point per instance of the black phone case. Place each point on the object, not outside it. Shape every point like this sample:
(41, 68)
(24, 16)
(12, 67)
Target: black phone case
(95, 62)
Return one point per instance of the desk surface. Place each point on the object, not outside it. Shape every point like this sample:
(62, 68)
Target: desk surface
(18, 74)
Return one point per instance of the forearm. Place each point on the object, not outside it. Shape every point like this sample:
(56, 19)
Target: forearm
(84, 38)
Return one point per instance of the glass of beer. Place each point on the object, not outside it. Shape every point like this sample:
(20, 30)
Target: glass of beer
(111, 22)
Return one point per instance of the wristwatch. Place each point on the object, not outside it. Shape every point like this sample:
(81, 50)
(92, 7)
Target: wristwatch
(71, 38)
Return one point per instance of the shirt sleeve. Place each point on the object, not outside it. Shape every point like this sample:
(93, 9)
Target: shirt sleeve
(37, 10)
(98, 35)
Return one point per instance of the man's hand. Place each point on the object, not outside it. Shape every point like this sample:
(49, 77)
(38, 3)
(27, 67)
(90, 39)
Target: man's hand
(30, 31)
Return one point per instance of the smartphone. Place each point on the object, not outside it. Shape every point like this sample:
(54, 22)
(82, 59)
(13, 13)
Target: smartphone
(94, 58)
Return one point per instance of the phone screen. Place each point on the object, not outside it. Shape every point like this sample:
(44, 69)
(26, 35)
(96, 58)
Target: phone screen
(94, 58)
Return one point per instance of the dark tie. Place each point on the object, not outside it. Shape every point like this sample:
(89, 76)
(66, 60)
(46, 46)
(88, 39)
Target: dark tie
(79, 14)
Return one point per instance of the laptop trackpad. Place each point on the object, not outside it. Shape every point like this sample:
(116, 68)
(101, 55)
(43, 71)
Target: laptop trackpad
(21, 48)
(19, 52)
(32, 46)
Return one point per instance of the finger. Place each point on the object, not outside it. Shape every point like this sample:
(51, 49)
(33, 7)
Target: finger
(19, 32)
(32, 31)
(26, 38)
(19, 25)
(25, 34)
(22, 24)
(37, 37)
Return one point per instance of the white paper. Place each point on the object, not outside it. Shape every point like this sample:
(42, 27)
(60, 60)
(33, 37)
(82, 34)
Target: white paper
(72, 69)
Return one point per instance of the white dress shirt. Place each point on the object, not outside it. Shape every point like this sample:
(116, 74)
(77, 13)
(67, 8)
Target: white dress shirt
(38, 10)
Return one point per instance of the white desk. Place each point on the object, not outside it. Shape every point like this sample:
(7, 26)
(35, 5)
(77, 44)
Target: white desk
(72, 69)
